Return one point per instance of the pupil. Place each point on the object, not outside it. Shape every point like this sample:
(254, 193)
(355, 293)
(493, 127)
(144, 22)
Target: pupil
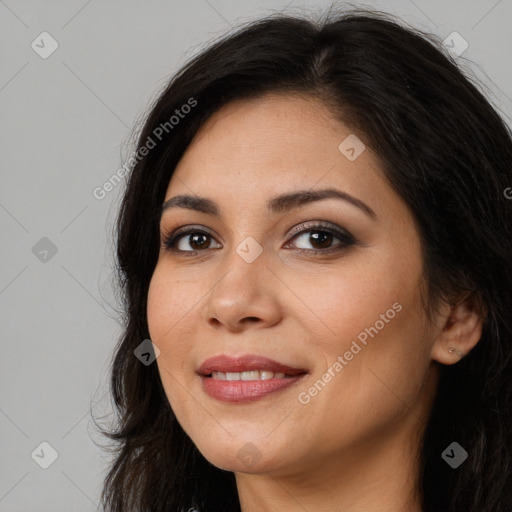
(194, 240)
(320, 238)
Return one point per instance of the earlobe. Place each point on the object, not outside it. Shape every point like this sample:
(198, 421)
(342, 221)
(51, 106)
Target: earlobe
(461, 332)
(454, 350)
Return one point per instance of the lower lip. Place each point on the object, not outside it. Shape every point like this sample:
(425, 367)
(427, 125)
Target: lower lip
(240, 391)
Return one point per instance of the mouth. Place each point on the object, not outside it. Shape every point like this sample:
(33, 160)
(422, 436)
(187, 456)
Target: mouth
(247, 367)
(246, 378)
(249, 375)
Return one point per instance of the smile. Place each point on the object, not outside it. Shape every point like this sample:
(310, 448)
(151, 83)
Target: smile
(247, 378)
(249, 375)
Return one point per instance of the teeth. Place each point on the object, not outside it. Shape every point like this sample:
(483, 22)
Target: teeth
(249, 375)
(254, 375)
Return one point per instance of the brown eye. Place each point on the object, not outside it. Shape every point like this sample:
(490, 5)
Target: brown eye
(198, 241)
(321, 239)
(191, 241)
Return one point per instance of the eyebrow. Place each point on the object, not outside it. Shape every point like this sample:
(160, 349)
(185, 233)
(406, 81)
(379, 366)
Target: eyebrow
(278, 204)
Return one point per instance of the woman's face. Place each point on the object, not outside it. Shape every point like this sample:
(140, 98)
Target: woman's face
(328, 286)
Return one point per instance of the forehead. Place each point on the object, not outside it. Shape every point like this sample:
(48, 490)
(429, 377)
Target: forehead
(273, 125)
(274, 137)
(250, 150)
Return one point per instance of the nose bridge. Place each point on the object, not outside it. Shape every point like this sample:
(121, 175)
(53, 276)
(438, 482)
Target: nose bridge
(243, 291)
(246, 253)
(244, 268)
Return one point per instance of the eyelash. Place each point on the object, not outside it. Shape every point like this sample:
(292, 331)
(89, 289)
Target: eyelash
(346, 239)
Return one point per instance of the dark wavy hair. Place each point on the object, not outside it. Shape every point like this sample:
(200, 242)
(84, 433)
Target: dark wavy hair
(447, 153)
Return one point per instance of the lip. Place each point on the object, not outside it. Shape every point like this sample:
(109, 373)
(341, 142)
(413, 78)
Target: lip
(224, 363)
(250, 390)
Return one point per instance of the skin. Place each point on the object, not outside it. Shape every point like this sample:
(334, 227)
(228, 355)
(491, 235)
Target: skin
(355, 445)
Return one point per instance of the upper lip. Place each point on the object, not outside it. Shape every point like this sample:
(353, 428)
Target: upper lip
(225, 363)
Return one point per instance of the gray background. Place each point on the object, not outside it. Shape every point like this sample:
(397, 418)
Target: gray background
(65, 129)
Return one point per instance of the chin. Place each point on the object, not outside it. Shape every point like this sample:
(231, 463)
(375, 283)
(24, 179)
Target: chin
(243, 456)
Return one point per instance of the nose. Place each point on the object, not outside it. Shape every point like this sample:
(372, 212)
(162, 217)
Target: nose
(246, 296)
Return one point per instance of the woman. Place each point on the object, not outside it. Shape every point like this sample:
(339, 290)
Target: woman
(316, 238)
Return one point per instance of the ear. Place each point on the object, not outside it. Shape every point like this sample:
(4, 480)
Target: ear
(461, 332)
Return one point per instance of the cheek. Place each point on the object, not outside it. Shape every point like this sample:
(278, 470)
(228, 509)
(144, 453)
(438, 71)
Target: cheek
(159, 310)
(169, 302)
(159, 307)
(341, 302)
(169, 311)
(383, 378)
(377, 326)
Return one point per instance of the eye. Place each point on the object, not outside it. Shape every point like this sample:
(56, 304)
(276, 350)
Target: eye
(196, 239)
(321, 237)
